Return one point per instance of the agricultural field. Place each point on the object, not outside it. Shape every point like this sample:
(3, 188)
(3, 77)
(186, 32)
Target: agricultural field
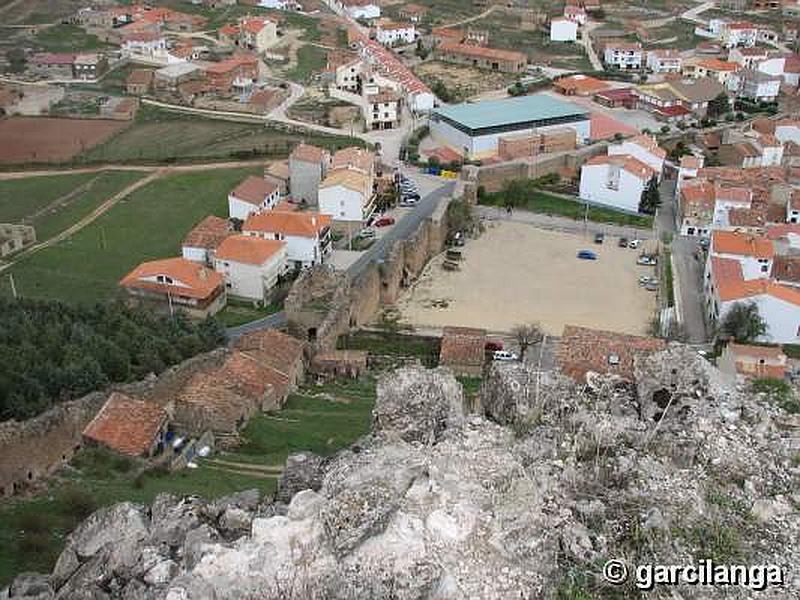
(148, 224)
(51, 204)
(36, 12)
(67, 38)
(158, 135)
(41, 140)
(319, 418)
(310, 60)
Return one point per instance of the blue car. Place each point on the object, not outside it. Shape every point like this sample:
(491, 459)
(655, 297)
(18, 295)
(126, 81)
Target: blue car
(587, 255)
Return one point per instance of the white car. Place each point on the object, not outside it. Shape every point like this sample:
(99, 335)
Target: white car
(504, 355)
(634, 244)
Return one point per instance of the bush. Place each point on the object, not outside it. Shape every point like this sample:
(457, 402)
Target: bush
(77, 503)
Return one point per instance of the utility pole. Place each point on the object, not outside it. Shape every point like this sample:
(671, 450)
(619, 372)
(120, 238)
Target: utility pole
(586, 218)
(13, 287)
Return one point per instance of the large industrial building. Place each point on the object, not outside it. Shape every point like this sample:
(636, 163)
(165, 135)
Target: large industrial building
(474, 130)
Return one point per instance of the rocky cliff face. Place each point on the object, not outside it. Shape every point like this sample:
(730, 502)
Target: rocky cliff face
(527, 501)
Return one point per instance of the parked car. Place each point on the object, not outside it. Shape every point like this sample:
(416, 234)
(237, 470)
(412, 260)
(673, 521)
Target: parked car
(408, 202)
(703, 243)
(504, 355)
(493, 346)
(457, 239)
(634, 244)
(587, 255)
(623, 242)
(645, 279)
(646, 260)
(384, 222)
(651, 286)
(599, 237)
(367, 232)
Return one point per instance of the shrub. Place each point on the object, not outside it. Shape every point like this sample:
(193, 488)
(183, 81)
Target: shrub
(77, 503)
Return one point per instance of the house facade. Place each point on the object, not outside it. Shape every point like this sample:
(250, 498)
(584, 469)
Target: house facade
(391, 33)
(625, 56)
(664, 61)
(252, 195)
(308, 166)
(615, 180)
(250, 265)
(491, 59)
(563, 29)
(346, 196)
(383, 110)
(202, 241)
(307, 234)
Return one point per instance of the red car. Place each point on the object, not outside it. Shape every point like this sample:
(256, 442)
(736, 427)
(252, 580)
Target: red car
(384, 222)
(493, 346)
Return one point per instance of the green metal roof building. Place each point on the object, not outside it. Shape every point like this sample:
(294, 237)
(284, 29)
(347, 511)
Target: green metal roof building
(473, 129)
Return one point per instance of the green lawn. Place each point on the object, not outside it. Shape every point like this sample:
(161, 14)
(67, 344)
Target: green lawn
(67, 38)
(310, 59)
(51, 204)
(426, 349)
(320, 418)
(164, 136)
(542, 202)
(149, 224)
(234, 314)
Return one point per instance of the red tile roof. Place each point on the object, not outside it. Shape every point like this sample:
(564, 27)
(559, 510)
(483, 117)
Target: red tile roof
(632, 165)
(309, 153)
(741, 244)
(190, 279)
(248, 249)
(126, 425)
(208, 233)
(482, 52)
(303, 224)
(463, 347)
(254, 190)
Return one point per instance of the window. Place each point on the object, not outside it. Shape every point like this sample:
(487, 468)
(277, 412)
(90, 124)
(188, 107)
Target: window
(764, 268)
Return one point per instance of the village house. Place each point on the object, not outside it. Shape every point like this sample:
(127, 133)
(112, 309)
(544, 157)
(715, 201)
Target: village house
(253, 33)
(355, 158)
(201, 243)
(250, 265)
(506, 61)
(563, 29)
(746, 361)
(171, 76)
(147, 45)
(348, 74)
(778, 305)
(670, 100)
(413, 13)
(308, 166)
(615, 180)
(696, 208)
(384, 62)
(688, 167)
(752, 152)
(283, 356)
(174, 284)
(738, 34)
(236, 74)
(383, 110)
(748, 58)
(139, 81)
(252, 195)
(584, 350)
(719, 70)
(128, 426)
(787, 130)
(463, 351)
(643, 147)
(360, 9)
(89, 66)
(754, 85)
(307, 234)
(625, 56)
(391, 33)
(579, 85)
(753, 253)
(575, 13)
(52, 65)
(340, 363)
(664, 61)
(347, 196)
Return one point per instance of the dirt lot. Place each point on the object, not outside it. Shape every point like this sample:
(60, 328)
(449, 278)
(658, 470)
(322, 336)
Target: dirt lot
(464, 82)
(51, 140)
(515, 273)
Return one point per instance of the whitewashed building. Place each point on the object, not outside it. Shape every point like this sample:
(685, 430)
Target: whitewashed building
(625, 56)
(307, 234)
(252, 195)
(250, 265)
(391, 33)
(664, 61)
(563, 29)
(346, 195)
(644, 148)
(617, 181)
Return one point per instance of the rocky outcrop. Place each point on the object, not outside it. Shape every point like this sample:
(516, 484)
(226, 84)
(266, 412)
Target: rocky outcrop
(439, 504)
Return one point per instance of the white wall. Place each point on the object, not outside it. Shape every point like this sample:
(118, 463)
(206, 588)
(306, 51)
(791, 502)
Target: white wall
(239, 209)
(639, 153)
(788, 133)
(594, 187)
(368, 11)
(563, 31)
(782, 318)
(195, 254)
(252, 281)
(392, 36)
(341, 203)
(298, 248)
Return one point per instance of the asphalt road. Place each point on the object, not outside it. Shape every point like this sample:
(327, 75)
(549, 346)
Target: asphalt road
(377, 252)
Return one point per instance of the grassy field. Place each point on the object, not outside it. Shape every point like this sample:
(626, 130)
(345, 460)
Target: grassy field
(67, 38)
(149, 224)
(51, 204)
(426, 349)
(310, 59)
(158, 135)
(321, 419)
(542, 202)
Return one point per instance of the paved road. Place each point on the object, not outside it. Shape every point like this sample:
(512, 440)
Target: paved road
(693, 13)
(273, 321)
(586, 42)
(561, 223)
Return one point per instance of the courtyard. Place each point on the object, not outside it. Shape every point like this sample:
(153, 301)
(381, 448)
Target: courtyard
(515, 273)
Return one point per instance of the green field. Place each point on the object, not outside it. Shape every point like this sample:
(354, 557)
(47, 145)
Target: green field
(149, 224)
(33, 530)
(51, 204)
(541, 202)
(67, 38)
(310, 59)
(163, 136)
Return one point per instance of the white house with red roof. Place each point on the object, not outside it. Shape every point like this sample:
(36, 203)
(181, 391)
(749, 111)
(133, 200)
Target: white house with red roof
(252, 195)
(563, 29)
(307, 234)
(390, 33)
(250, 265)
(616, 180)
(754, 253)
(644, 148)
(575, 13)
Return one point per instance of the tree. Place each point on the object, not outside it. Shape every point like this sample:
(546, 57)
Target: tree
(527, 335)
(650, 197)
(743, 323)
(718, 106)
